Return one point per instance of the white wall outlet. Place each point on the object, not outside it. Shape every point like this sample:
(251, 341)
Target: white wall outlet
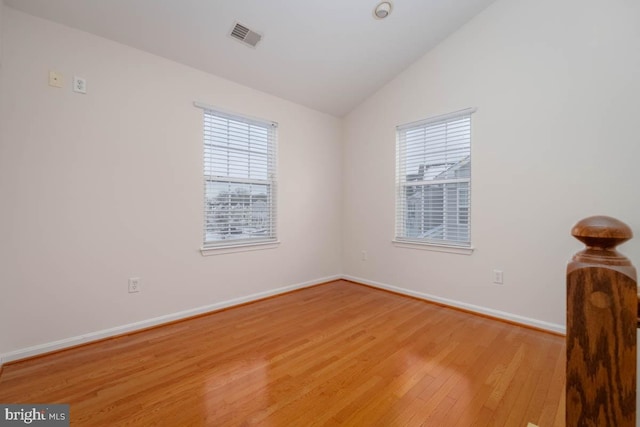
(79, 84)
(134, 285)
(498, 277)
(364, 255)
(55, 79)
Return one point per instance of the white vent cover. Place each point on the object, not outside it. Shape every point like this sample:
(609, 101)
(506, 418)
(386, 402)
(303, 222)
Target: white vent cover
(245, 35)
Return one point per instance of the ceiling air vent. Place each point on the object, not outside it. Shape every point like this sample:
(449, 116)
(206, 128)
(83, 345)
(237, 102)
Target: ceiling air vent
(245, 35)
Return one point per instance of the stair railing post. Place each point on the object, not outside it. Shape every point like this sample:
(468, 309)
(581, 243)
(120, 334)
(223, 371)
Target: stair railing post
(602, 310)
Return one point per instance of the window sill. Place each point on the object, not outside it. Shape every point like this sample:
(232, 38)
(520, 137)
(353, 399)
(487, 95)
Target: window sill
(459, 250)
(244, 247)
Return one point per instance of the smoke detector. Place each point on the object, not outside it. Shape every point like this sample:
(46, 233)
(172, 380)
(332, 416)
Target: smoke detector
(382, 10)
(243, 34)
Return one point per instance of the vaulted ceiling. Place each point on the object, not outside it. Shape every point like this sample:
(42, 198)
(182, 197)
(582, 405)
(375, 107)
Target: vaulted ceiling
(328, 55)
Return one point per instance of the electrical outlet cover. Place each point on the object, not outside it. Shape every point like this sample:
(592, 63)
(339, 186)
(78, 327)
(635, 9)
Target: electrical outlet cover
(134, 285)
(79, 84)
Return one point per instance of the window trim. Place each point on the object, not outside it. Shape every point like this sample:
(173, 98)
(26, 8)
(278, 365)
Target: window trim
(243, 245)
(425, 244)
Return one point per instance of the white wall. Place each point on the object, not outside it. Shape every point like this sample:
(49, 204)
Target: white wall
(100, 187)
(2, 326)
(555, 139)
(1, 27)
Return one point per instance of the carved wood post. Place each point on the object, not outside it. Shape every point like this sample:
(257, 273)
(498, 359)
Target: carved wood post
(602, 309)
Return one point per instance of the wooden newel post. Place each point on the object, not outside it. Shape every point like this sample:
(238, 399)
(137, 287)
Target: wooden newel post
(602, 308)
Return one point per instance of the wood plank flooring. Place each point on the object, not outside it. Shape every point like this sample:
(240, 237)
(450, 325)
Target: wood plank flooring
(334, 354)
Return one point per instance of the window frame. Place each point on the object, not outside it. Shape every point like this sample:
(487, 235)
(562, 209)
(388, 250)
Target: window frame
(233, 245)
(402, 205)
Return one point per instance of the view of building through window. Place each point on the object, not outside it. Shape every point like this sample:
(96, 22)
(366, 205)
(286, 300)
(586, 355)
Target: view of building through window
(239, 170)
(434, 178)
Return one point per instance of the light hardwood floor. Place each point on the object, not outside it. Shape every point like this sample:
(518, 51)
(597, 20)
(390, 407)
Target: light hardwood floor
(334, 354)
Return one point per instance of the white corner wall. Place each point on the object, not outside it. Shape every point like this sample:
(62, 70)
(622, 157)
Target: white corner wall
(3, 330)
(555, 139)
(101, 187)
(1, 27)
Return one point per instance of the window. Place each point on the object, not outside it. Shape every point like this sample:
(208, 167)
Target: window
(434, 180)
(239, 180)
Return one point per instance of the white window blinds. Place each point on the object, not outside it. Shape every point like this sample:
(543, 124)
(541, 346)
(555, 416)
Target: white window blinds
(239, 180)
(434, 180)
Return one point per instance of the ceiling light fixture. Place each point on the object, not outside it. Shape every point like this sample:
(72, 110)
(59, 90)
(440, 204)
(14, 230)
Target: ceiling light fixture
(382, 10)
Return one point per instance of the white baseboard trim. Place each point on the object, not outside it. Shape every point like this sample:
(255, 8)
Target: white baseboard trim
(515, 318)
(132, 327)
